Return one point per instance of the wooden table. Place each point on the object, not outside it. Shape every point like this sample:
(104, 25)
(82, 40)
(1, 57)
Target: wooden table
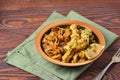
(20, 18)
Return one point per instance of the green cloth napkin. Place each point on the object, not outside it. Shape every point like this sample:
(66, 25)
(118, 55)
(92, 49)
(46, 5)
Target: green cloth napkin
(26, 57)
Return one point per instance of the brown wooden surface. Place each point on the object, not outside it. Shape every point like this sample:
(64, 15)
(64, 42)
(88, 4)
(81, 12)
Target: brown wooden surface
(19, 18)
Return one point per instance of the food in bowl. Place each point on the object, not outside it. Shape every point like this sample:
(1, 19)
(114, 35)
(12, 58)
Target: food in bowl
(71, 43)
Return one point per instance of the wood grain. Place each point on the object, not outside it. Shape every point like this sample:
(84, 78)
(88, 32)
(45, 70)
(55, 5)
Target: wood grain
(20, 18)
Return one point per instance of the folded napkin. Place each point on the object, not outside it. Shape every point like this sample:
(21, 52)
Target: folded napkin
(26, 57)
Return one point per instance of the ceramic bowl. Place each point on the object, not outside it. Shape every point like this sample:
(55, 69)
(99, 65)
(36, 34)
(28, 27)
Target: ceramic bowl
(40, 34)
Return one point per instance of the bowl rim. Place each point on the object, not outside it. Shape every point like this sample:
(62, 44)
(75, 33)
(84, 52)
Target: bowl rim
(54, 24)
